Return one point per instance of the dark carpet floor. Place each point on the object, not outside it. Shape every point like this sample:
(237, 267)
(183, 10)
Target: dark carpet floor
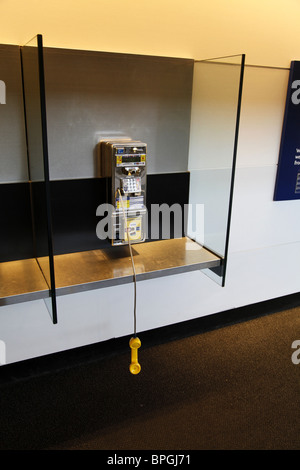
(233, 388)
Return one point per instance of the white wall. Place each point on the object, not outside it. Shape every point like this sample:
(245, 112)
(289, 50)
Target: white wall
(265, 236)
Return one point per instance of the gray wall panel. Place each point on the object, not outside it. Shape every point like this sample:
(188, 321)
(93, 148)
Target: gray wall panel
(13, 158)
(93, 94)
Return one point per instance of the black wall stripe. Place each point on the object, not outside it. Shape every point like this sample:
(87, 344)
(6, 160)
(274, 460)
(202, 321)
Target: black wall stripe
(74, 220)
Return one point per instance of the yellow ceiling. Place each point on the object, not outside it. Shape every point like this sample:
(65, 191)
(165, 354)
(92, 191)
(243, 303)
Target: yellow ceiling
(267, 31)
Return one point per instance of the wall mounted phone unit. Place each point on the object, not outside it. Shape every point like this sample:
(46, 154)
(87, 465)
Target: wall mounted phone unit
(124, 164)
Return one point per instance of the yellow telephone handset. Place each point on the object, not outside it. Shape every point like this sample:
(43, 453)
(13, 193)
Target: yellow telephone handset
(134, 344)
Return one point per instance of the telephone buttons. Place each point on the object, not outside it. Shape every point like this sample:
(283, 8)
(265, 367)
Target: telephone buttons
(131, 185)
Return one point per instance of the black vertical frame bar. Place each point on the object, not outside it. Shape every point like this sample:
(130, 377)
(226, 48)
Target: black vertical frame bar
(239, 104)
(50, 278)
(46, 173)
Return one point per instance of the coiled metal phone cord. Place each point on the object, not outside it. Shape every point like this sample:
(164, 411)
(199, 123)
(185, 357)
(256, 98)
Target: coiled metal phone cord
(132, 261)
(134, 342)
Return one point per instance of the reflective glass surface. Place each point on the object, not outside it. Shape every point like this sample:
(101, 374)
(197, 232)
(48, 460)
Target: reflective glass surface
(216, 101)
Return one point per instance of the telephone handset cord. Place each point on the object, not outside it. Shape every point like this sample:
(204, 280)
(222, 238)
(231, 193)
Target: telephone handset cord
(131, 256)
(134, 342)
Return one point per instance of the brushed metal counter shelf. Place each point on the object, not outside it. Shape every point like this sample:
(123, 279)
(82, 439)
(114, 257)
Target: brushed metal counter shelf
(23, 281)
(77, 272)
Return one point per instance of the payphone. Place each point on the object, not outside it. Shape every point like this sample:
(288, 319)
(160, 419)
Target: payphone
(124, 163)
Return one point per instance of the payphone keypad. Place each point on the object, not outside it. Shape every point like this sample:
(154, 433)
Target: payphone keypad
(131, 185)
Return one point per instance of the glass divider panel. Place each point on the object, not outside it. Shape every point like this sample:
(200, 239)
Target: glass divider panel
(216, 102)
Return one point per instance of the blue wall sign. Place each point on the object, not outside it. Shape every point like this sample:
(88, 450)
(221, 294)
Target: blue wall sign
(287, 185)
